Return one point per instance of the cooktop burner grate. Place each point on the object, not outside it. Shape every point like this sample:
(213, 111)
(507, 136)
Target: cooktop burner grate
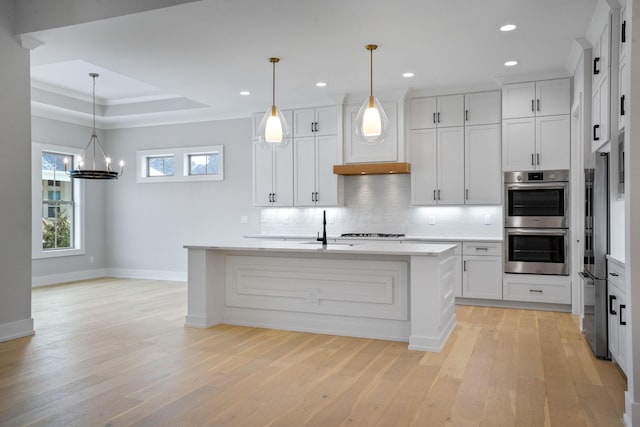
(371, 235)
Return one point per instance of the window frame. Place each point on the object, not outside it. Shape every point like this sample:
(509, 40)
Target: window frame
(182, 170)
(37, 251)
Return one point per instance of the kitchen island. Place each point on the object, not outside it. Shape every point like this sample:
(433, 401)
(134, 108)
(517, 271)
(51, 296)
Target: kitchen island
(373, 290)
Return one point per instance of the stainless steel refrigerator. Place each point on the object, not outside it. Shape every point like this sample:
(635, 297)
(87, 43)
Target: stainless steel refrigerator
(596, 239)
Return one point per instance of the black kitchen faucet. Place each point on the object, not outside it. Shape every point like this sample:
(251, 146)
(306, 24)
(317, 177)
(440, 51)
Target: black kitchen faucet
(323, 239)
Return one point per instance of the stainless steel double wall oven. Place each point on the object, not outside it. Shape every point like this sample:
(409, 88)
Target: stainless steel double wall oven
(536, 221)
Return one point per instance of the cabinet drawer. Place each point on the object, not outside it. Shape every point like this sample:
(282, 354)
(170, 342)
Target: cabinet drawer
(537, 292)
(616, 274)
(482, 248)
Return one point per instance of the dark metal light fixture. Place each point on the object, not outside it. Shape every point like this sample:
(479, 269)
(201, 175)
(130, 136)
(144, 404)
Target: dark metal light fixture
(94, 147)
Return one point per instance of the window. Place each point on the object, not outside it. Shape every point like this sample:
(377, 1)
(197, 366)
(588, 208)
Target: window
(198, 164)
(57, 215)
(160, 166)
(203, 164)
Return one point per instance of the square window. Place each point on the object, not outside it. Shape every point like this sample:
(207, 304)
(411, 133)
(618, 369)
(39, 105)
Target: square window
(203, 164)
(160, 166)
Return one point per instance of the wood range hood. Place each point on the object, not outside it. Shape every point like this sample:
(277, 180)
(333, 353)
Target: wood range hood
(372, 169)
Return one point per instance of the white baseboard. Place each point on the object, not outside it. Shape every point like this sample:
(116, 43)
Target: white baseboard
(631, 415)
(130, 273)
(72, 276)
(16, 329)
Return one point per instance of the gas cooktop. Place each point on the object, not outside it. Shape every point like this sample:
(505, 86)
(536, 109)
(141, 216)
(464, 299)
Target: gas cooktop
(370, 235)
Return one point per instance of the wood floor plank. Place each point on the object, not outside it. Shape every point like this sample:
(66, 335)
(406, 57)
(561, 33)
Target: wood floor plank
(116, 352)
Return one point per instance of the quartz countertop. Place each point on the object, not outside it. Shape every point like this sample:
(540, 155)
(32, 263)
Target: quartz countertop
(311, 246)
(377, 239)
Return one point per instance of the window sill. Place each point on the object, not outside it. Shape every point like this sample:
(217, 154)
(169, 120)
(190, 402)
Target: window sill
(58, 253)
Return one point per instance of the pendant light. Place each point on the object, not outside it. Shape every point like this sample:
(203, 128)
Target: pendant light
(274, 130)
(371, 124)
(93, 147)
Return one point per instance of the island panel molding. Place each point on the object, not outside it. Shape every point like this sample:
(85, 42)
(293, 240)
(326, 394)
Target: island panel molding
(363, 290)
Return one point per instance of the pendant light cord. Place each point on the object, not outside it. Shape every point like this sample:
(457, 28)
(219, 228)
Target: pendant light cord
(94, 103)
(371, 73)
(273, 95)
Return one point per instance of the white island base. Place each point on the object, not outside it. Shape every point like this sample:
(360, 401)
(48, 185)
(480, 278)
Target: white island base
(400, 292)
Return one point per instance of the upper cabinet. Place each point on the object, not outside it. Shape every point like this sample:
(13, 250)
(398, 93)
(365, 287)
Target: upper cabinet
(315, 121)
(536, 125)
(532, 99)
(314, 182)
(482, 165)
(435, 112)
(482, 108)
(389, 151)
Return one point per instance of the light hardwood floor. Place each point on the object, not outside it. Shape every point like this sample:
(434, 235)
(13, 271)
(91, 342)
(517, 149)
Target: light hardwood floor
(115, 352)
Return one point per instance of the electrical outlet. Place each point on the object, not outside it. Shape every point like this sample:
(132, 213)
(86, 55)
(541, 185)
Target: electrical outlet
(487, 219)
(244, 219)
(432, 220)
(91, 259)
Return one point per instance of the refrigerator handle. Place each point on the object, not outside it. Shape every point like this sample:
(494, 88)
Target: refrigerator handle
(612, 298)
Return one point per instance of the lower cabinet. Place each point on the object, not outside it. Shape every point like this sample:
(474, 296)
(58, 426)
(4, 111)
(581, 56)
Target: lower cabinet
(618, 314)
(537, 288)
(482, 270)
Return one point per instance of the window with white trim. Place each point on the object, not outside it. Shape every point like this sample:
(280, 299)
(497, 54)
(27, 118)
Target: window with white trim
(57, 214)
(180, 164)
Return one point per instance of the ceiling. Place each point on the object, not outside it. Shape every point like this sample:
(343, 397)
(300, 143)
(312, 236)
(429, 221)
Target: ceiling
(208, 51)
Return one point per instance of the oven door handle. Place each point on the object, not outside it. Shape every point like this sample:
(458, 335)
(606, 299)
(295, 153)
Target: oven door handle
(538, 185)
(537, 231)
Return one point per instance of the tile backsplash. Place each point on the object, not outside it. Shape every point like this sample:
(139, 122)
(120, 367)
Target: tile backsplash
(382, 204)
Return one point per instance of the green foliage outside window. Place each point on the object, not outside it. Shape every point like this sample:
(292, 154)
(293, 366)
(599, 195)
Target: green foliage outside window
(56, 232)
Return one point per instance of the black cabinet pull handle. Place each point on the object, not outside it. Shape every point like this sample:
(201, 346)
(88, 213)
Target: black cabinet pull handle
(612, 298)
(538, 104)
(596, 70)
(623, 35)
(536, 291)
(533, 108)
(622, 307)
(466, 115)
(538, 158)
(614, 274)
(316, 127)
(434, 117)
(438, 194)
(466, 194)
(434, 195)
(595, 129)
(622, 105)
(464, 265)
(438, 117)
(274, 197)
(532, 161)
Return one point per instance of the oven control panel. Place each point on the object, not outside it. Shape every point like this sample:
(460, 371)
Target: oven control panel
(561, 175)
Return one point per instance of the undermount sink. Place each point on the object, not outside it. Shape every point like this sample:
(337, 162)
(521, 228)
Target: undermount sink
(331, 243)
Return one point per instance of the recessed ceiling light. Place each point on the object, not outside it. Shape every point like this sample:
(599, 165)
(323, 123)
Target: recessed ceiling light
(407, 75)
(511, 63)
(508, 27)
(245, 93)
(321, 84)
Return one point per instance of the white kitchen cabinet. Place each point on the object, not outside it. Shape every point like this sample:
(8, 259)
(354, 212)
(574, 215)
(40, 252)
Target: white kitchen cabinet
(315, 184)
(537, 288)
(315, 121)
(618, 313)
(437, 173)
(436, 112)
(357, 152)
(482, 270)
(601, 52)
(272, 176)
(482, 108)
(536, 143)
(624, 32)
(532, 99)
(623, 81)
(600, 111)
(483, 165)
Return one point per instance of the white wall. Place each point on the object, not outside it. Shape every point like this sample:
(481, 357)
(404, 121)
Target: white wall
(148, 224)
(68, 268)
(15, 176)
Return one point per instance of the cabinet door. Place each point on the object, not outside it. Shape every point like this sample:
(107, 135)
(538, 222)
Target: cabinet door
(483, 165)
(283, 176)
(553, 97)
(423, 166)
(553, 142)
(605, 109)
(262, 175)
(518, 100)
(304, 166)
(450, 111)
(327, 121)
(604, 45)
(613, 310)
(623, 318)
(303, 122)
(482, 108)
(326, 180)
(518, 144)
(356, 152)
(624, 33)
(423, 113)
(482, 277)
(623, 72)
(451, 166)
